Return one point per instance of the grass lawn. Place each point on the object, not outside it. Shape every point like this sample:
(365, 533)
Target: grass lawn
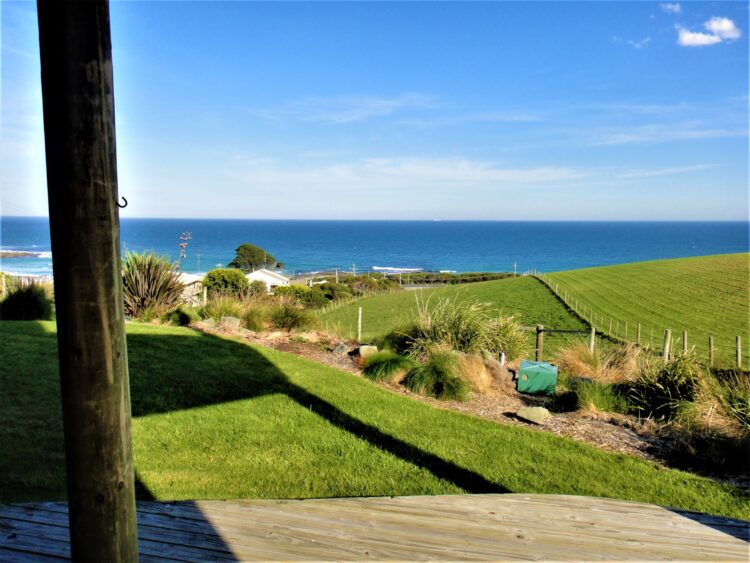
(525, 297)
(706, 296)
(216, 418)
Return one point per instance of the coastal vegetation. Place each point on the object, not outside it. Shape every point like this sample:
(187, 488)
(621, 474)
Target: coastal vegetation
(250, 257)
(227, 281)
(218, 418)
(150, 284)
(27, 301)
(705, 296)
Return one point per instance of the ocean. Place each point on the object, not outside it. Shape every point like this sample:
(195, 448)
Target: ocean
(461, 246)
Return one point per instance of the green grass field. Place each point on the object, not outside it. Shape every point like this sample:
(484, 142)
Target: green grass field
(525, 297)
(217, 418)
(705, 296)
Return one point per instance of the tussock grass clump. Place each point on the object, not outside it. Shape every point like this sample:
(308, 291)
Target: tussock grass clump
(222, 306)
(616, 365)
(151, 285)
(27, 302)
(253, 317)
(603, 397)
(388, 366)
(437, 377)
(288, 316)
(475, 371)
(733, 393)
(662, 388)
(466, 327)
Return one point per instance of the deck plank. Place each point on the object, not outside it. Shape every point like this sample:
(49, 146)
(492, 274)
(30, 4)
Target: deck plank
(455, 527)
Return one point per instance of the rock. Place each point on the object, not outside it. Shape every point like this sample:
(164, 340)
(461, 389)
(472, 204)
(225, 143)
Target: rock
(209, 322)
(274, 335)
(537, 415)
(366, 351)
(308, 337)
(340, 349)
(230, 322)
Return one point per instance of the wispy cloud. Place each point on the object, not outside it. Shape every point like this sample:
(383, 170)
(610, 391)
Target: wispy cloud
(348, 109)
(671, 7)
(633, 43)
(666, 171)
(413, 173)
(719, 30)
(477, 117)
(663, 132)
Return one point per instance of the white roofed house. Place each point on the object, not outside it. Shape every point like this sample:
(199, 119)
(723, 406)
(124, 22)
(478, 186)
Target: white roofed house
(193, 291)
(270, 278)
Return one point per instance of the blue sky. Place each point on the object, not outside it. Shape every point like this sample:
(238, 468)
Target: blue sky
(580, 111)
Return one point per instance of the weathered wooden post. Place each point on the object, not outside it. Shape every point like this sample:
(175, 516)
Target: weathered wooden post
(610, 326)
(739, 351)
(592, 340)
(684, 342)
(626, 330)
(710, 351)
(359, 325)
(667, 345)
(539, 343)
(79, 131)
(638, 334)
(205, 296)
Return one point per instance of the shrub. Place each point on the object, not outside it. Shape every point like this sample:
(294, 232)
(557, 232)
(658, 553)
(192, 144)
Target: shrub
(288, 316)
(504, 334)
(593, 395)
(257, 288)
(7, 284)
(387, 366)
(26, 302)
(226, 280)
(182, 316)
(222, 306)
(333, 291)
(463, 327)
(302, 295)
(733, 392)
(616, 365)
(437, 378)
(475, 372)
(663, 387)
(151, 285)
(252, 319)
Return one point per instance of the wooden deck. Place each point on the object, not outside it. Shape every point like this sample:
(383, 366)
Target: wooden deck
(461, 527)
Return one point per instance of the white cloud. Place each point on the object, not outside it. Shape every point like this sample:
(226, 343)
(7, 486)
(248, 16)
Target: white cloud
(723, 28)
(639, 44)
(412, 173)
(348, 109)
(665, 132)
(720, 29)
(671, 8)
(667, 171)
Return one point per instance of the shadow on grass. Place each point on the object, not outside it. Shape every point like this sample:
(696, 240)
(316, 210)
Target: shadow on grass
(204, 369)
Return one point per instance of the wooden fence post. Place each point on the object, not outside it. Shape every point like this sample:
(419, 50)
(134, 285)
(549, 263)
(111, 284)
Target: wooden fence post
(539, 343)
(626, 330)
(638, 334)
(592, 341)
(739, 351)
(79, 134)
(710, 351)
(205, 296)
(667, 345)
(359, 325)
(684, 342)
(610, 326)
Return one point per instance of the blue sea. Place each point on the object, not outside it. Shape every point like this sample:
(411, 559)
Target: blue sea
(461, 246)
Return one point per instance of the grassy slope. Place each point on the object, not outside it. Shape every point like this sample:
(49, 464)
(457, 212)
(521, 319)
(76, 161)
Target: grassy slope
(525, 297)
(706, 296)
(216, 418)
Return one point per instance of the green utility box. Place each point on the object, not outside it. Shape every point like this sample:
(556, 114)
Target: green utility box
(537, 378)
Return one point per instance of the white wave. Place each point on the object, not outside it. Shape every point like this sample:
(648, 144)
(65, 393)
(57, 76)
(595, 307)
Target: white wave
(389, 269)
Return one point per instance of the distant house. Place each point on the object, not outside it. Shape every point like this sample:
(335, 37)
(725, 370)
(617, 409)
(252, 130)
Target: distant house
(268, 277)
(193, 291)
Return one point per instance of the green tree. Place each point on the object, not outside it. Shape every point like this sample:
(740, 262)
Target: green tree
(250, 257)
(225, 280)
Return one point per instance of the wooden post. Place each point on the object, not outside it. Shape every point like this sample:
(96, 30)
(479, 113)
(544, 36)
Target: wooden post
(359, 325)
(667, 345)
(539, 343)
(205, 295)
(684, 342)
(610, 326)
(626, 330)
(617, 329)
(739, 351)
(592, 341)
(638, 334)
(710, 351)
(79, 132)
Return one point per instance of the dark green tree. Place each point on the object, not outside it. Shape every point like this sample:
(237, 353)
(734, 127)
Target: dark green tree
(250, 257)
